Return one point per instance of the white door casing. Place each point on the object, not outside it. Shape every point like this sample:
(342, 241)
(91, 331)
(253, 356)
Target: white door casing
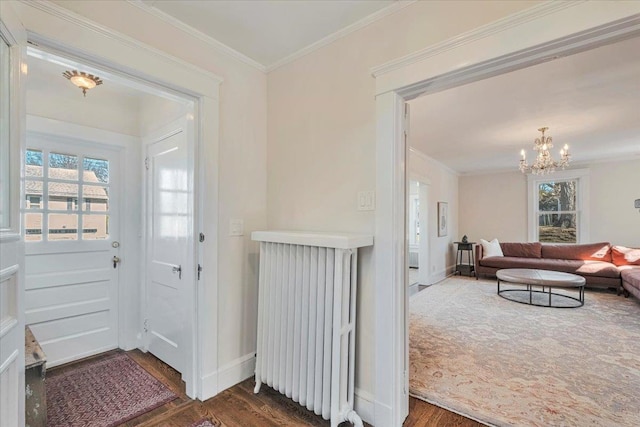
(71, 297)
(12, 116)
(169, 298)
(520, 40)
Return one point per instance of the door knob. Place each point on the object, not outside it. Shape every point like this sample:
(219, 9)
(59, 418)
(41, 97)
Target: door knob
(115, 260)
(178, 270)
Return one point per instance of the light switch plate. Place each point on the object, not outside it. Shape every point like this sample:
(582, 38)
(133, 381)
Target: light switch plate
(366, 200)
(236, 227)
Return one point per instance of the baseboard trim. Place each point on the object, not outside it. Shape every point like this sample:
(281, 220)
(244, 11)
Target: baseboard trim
(364, 405)
(228, 375)
(383, 414)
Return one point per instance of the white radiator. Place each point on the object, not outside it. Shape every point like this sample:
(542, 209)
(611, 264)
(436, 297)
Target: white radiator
(307, 318)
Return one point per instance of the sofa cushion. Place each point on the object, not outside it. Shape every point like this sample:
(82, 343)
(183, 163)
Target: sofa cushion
(625, 256)
(631, 276)
(522, 250)
(491, 248)
(583, 252)
(583, 268)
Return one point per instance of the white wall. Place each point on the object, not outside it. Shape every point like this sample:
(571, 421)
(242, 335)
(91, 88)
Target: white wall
(443, 187)
(495, 205)
(241, 157)
(322, 137)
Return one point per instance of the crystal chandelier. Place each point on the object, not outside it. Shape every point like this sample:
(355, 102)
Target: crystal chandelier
(544, 163)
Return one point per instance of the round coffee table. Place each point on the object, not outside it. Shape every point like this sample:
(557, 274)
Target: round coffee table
(531, 278)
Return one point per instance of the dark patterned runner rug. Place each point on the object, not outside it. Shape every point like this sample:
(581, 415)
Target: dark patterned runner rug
(103, 393)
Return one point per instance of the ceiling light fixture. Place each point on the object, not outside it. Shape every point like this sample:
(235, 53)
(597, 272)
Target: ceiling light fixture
(544, 163)
(83, 80)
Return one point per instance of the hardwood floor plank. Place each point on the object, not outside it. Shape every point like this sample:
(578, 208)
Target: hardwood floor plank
(240, 407)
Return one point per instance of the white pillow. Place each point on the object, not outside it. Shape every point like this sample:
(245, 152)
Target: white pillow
(491, 248)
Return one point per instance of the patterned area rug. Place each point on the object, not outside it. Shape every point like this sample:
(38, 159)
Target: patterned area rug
(504, 363)
(103, 393)
(203, 423)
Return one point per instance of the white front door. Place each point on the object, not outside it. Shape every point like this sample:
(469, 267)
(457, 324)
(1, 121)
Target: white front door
(71, 223)
(12, 115)
(169, 279)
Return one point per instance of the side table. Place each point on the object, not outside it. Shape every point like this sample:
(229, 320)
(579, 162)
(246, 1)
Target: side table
(466, 268)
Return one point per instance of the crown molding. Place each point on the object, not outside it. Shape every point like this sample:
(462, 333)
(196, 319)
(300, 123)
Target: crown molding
(376, 16)
(221, 47)
(76, 19)
(478, 33)
(215, 44)
(425, 157)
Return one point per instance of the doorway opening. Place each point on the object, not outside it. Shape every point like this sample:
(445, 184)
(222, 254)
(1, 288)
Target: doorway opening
(419, 234)
(91, 214)
(407, 79)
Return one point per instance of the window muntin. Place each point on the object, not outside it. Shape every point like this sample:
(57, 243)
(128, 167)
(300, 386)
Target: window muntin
(53, 190)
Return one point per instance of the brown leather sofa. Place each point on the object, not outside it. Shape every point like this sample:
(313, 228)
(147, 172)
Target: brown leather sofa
(593, 261)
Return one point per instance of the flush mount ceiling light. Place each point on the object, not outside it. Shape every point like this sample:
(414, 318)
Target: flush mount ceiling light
(544, 163)
(83, 80)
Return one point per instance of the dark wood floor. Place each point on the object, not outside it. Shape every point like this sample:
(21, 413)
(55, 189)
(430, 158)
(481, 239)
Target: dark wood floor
(239, 407)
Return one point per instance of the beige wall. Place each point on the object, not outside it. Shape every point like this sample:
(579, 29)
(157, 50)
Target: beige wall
(495, 205)
(321, 131)
(612, 217)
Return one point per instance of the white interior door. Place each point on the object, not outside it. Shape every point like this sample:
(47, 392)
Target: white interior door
(71, 224)
(169, 278)
(12, 116)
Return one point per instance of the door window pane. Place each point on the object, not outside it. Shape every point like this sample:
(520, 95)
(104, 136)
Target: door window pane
(33, 162)
(63, 196)
(33, 192)
(33, 227)
(95, 170)
(95, 227)
(63, 227)
(63, 166)
(95, 198)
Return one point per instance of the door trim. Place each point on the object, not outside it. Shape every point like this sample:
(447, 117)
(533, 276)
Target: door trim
(514, 42)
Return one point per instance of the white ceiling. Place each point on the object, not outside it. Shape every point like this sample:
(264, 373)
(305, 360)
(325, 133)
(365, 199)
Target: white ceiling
(590, 101)
(268, 31)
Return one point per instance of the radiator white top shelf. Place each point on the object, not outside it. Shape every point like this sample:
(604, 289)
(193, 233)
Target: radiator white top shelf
(315, 238)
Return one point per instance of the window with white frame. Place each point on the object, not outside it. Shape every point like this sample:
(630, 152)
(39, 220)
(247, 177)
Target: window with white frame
(557, 205)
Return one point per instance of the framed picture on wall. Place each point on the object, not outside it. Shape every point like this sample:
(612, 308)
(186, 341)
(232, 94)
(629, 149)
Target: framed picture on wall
(443, 219)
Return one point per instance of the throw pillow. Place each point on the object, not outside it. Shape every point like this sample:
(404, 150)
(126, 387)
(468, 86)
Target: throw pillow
(491, 248)
(625, 256)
